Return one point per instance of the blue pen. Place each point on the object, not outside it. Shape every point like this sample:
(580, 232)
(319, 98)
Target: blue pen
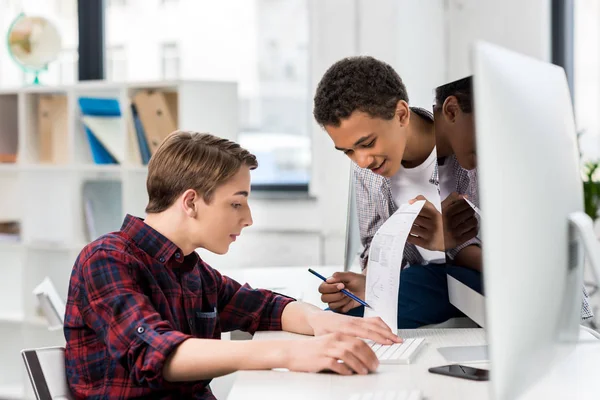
(347, 293)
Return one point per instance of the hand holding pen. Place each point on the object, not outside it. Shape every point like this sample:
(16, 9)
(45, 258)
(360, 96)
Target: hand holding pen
(343, 291)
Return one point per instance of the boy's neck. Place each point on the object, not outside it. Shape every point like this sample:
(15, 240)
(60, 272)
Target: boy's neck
(442, 146)
(420, 142)
(170, 226)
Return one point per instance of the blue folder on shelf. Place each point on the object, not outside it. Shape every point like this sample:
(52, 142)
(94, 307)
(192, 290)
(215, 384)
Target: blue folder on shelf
(99, 107)
(141, 135)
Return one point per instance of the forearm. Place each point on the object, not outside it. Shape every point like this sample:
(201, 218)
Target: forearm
(197, 359)
(295, 317)
(469, 257)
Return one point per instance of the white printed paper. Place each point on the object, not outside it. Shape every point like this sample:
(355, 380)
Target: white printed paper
(385, 263)
(474, 207)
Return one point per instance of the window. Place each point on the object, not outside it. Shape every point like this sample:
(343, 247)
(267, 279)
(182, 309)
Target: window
(116, 3)
(170, 61)
(261, 44)
(587, 76)
(68, 66)
(116, 63)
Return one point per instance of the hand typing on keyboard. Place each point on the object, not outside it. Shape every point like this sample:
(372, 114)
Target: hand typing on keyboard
(335, 352)
(324, 322)
(398, 353)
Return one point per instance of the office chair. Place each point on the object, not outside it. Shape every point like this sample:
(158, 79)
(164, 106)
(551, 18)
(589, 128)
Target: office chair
(46, 369)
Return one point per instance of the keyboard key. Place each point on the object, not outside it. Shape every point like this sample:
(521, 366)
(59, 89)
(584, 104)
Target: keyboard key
(397, 353)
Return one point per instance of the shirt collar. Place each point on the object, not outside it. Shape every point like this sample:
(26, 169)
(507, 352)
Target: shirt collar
(156, 244)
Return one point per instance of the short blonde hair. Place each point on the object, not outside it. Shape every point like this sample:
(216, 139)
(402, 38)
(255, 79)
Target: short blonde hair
(192, 160)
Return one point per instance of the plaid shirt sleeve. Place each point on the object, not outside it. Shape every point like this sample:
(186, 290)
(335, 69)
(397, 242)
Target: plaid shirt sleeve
(247, 309)
(466, 182)
(117, 309)
(369, 221)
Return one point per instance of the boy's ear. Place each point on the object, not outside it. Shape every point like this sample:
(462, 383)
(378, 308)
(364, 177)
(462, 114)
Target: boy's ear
(189, 199)
(450, 108)
(403, 112)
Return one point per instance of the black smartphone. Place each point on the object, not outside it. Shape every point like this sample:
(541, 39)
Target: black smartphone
(460, 371)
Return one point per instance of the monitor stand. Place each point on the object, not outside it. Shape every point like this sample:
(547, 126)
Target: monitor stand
(472, 304)
(465, 354)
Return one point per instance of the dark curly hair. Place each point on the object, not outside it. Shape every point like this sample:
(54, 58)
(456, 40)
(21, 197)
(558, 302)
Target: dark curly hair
(358, 84)
(462, 89)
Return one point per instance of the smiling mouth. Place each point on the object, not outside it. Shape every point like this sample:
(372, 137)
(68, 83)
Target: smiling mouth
(378, 169)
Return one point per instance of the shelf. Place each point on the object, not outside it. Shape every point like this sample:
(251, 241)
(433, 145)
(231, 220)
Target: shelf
(19, 318)
(9, 167)
(16, 318)
(68, 167)
(11, 245)
(140, 169)
(10, 392)
(50, 246)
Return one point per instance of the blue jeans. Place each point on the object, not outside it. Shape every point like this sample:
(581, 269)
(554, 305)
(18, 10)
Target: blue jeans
(423, 295)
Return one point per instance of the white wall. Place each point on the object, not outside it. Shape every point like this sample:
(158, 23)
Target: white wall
(428, 43)
(523, 26)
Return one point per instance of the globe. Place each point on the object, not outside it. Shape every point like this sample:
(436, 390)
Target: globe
(33, 42)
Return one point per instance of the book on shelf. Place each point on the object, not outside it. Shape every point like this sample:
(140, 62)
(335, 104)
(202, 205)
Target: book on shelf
(10, 231)
(100, 119)
(52, 129)
(105, 125)
(140, 135)
(8, 158)
(9, 132)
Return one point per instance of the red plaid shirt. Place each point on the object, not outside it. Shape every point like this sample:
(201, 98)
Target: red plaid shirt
(133, 298)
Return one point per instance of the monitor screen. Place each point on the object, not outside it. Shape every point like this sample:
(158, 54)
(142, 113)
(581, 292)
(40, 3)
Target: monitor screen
(454, 121)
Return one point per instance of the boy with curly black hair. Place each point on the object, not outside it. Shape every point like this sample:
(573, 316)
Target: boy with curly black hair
(362, 103)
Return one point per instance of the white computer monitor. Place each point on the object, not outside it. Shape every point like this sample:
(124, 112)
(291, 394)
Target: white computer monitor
(353, 246)
(531, 200)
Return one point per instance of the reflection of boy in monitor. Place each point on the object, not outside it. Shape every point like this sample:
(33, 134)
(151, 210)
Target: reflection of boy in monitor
(457, 169)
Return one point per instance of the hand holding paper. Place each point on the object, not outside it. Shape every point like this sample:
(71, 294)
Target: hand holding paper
(460, 224)
(427, 231)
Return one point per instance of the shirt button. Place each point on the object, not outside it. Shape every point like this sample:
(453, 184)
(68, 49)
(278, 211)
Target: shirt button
(162, 259)
(177, 255)
(140, 329)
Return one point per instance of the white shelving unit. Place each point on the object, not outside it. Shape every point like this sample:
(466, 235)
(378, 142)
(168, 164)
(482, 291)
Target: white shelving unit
(47, 200)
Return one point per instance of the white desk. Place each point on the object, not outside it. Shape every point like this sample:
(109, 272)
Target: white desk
(293, 385)
(576, 377)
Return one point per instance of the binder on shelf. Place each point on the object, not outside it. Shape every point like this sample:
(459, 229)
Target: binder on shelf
(9, 130)
(10, 231)
(52, 129)
(107, 130)
(8, 158)
(52, 305)
(140, 135)
(102, 123)
(158, 113)
(133, 146)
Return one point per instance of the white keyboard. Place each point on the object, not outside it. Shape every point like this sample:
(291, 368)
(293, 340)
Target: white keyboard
(388, 395)
(397, 353)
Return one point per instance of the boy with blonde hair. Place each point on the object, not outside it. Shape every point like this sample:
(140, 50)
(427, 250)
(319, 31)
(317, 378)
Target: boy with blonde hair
(144, 310)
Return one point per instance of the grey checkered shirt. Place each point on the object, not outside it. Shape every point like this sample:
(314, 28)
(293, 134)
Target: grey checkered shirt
(375, 204)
